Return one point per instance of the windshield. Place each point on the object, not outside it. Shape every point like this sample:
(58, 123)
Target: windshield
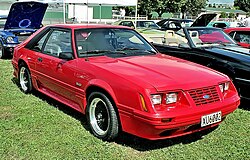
(111, 42)
(209, 36)
(147, 24)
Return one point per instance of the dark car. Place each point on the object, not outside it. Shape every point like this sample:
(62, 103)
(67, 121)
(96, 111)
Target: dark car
(24, 18)
(213, 48)
(174, 24)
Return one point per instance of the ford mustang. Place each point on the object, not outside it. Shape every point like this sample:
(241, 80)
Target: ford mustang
(121, 82)
(24, 18)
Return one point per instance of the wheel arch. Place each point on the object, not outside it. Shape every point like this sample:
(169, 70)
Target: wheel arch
(102, 86)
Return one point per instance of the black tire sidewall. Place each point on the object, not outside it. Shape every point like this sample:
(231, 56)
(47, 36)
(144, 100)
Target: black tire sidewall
(113, 122)
(3, 51)
(29, 84)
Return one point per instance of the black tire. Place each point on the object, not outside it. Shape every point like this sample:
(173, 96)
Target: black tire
(2, 52)
(102, 117)
(24, 79)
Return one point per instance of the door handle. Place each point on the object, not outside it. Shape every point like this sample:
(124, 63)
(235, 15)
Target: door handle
(40, 59)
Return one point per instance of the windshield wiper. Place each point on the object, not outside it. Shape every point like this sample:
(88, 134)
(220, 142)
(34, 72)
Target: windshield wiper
(95, 52)
(103, 52)
(149, 51)
(204, 43)
(127, 49)
(136, 49)
(226, 43)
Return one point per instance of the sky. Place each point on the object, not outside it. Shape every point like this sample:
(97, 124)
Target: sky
(221, 1)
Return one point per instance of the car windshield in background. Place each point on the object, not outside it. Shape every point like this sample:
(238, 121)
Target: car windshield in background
(147, 24)
(111, 42)
(209, 37)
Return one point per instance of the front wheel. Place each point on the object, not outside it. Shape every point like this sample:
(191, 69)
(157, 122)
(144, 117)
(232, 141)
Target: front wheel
(102, 117)
(25, 79)
(2, 51)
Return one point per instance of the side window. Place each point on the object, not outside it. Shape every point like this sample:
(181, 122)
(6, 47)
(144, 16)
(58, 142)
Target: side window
(127, 23)
(39, 45)
(58, 42)
(231, 34)
(242, 36)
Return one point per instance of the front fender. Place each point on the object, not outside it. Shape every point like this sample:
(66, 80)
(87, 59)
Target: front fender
(104, 85)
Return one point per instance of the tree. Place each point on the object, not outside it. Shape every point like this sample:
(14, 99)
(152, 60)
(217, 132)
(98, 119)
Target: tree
(193, 6)
(231, 15)
(162, 6)
(159, 6)
(242, 4)
(223, 15)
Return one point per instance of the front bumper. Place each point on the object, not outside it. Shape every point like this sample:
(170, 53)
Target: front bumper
(184, 121)
(9, 48)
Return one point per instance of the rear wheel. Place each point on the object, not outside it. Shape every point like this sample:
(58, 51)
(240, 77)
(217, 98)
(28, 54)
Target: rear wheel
(25, 79)
(2, 51)
(102, 117)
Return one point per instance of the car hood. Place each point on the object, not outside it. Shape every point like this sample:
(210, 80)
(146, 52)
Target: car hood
(203, 20)
(161, 71)
(25, 15)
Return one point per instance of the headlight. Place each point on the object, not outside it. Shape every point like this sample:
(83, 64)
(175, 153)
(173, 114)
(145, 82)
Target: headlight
(171, 98)
(156, 99)
(10, 39)
(224, 87)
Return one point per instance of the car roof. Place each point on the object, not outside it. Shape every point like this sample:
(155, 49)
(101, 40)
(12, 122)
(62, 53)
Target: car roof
(237, 29)
(82, 26)
(213, 28)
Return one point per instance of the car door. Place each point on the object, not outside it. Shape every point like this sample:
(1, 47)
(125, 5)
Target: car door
(56, 76)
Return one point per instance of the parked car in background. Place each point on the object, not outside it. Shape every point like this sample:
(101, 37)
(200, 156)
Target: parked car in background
(240, 35)
(219, 24)
(24, 18)
(115, 77)
(174, 24)
(150, 24)
(3, 19)
(213, 48)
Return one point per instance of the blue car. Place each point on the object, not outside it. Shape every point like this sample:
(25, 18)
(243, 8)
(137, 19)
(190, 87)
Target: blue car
(24, 18)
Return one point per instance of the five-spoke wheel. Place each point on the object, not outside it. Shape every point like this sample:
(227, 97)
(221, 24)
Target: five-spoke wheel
(102, 117)
(25, 79)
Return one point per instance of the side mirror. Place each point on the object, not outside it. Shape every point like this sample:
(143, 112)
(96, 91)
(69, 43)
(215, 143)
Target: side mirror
(66, 55)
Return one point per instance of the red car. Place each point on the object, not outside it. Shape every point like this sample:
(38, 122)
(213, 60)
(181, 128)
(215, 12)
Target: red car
(240, 35)
(115, 77)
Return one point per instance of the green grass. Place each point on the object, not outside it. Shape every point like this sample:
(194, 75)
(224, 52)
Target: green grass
(36, 127)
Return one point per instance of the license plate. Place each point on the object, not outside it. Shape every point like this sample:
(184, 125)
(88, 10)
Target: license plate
(210, 119)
